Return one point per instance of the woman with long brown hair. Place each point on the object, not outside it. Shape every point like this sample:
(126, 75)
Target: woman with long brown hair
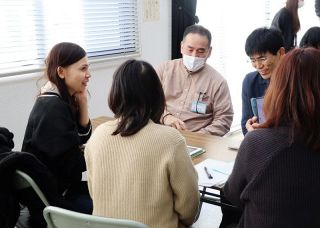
(59, 122)
(275, 179)
(287, 22)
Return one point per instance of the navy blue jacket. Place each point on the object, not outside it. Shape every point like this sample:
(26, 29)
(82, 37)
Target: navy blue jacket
(253, 86)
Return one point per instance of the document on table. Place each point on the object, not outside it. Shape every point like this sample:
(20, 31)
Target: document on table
(216, 172)
(234, 144)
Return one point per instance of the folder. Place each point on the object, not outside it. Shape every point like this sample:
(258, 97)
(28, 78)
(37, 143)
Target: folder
(257, 108)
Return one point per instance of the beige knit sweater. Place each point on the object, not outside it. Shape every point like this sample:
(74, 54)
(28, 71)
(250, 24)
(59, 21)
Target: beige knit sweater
(147, 177)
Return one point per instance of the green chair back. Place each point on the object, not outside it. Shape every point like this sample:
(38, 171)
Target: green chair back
(61, 218)
(23, 180)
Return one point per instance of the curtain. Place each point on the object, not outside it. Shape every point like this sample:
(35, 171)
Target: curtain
(183, 15)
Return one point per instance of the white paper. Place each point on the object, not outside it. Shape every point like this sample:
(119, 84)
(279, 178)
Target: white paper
(234, 144)
(219, 171)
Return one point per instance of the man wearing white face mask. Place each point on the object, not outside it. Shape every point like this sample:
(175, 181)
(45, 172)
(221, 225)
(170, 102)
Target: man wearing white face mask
(197, 96)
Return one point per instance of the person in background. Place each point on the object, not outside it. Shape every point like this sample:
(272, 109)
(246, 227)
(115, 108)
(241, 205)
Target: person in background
(264, 47)
(317, 7)
(59, 123)
(276, 175)
(6, 140)
(138, 169)
(197, 96)
(287, 22)
(311, 38)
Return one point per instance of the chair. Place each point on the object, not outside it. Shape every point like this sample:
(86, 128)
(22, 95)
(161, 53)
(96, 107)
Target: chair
(61, 218)
(23, 181)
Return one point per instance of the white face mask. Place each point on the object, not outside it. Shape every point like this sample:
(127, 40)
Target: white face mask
(193, 63)
(300, 3)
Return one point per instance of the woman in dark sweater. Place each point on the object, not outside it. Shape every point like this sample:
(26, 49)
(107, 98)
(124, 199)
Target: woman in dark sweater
(59, 123)
(276, 178)
(288, 23)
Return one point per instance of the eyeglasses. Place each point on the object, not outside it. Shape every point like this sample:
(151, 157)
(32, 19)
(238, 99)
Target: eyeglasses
(258, 60)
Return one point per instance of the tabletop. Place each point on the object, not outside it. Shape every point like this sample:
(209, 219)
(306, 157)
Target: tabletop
(216, 147)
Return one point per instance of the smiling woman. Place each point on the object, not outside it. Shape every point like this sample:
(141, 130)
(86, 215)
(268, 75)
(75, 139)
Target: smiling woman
(76, 76)
(59, 123)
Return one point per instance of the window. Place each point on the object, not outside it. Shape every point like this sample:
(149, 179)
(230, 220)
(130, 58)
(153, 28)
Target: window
(29, 29)
(230, 28)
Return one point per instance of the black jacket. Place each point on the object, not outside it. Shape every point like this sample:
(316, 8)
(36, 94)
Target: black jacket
(54, 136)
(283, 21)
(9, 198)
(6, 140)
(317, 7)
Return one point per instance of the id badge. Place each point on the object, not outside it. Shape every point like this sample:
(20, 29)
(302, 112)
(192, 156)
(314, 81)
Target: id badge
(199, 107)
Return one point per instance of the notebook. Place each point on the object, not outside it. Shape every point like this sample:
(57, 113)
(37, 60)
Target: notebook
(234, 144)
(219, 172)
(257, 108)
(195, 151)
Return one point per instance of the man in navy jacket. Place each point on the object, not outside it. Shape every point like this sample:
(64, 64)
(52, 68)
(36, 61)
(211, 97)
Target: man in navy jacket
(264, 47)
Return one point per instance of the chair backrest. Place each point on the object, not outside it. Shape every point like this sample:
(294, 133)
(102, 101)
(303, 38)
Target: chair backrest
(23, 180)
(61, 218)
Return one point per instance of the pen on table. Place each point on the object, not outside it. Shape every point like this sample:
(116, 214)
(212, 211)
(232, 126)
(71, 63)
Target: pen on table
(218, 171)
(207, 172)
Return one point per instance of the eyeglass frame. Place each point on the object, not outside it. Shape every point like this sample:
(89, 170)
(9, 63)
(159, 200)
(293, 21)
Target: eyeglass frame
(260, 59)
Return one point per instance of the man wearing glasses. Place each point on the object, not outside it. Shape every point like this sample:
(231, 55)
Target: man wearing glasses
(264, 47)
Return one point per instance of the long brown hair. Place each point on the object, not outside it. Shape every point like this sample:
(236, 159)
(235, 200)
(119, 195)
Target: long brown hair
(293, 96)
(292, 6)
(63, 54)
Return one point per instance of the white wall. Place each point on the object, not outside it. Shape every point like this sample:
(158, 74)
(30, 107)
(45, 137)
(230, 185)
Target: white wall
(18, 93)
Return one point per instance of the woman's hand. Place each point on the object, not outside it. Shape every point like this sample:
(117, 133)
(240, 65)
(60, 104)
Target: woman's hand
(252, 124)
(82, 100)
(82, 97)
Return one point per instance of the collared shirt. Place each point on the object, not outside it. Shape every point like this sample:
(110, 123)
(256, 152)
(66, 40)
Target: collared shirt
(182, 88)
(253, 86)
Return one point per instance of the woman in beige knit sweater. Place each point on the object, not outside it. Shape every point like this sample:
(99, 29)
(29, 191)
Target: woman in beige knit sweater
(136, 168)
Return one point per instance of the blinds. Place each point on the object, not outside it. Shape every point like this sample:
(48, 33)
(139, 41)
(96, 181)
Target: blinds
(29, 29)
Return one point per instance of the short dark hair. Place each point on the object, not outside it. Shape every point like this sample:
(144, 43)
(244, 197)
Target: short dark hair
(136, 96)
(311, 38)
(198, 29)
(293, 96)
(63, 54)
(263, 40)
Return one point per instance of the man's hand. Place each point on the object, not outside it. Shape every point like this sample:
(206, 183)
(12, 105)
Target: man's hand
(252, 124)
(172, 121)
